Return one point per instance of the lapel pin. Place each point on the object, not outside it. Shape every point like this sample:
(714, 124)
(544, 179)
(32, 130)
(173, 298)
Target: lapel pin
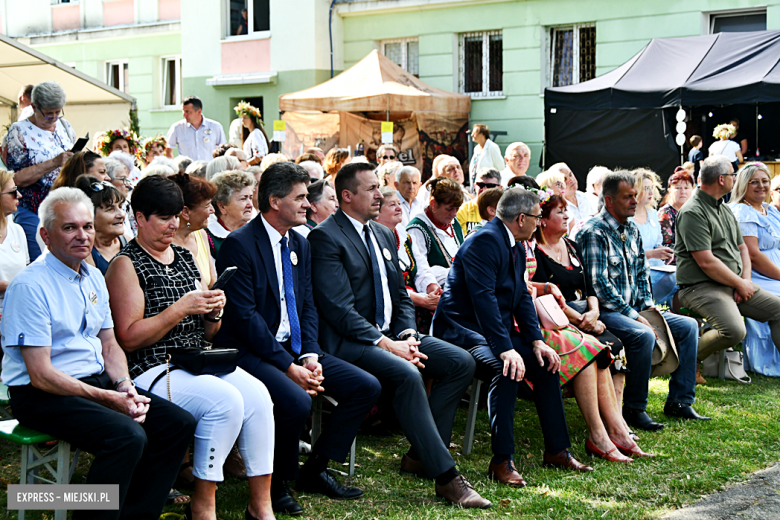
(386, 252)
(293, 258)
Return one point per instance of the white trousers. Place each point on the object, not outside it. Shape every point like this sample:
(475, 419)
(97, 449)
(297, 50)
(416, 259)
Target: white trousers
(227, 407)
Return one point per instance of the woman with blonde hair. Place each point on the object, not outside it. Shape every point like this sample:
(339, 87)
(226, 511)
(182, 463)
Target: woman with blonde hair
(759, 222)
(387, 173)
(725, 146)
(552, 179)
(648, 186)
(13, 242)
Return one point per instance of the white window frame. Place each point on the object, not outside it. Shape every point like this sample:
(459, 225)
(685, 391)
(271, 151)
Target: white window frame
(177, 71)
(547, 52)
(121, 64)
(486, 92)
(250, 35)
(403, 41)
(708, 18)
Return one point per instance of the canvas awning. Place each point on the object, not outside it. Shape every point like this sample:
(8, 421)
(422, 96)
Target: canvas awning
(375, 84)
(724, 68)
(92, 106)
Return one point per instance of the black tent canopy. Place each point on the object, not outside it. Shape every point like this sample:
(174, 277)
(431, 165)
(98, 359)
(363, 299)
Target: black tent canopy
(625, 118)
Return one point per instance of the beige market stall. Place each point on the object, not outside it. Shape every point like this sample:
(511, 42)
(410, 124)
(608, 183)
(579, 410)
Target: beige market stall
(92, 105)
(428, 121)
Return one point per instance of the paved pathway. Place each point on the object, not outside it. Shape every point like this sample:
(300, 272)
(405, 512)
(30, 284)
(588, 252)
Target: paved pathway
(756, 499)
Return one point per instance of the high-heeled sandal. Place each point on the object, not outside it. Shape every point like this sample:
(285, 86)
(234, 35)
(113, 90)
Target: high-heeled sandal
(632, 451)
(593, 450)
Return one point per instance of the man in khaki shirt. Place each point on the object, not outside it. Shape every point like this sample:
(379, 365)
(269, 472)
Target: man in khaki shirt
(713, 264)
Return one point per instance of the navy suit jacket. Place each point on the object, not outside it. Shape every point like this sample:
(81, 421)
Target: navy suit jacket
(485, 290)
(252, 313)
(344, 286)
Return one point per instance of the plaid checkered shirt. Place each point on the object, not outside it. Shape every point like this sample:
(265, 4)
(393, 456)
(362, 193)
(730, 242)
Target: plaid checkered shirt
(615, 264)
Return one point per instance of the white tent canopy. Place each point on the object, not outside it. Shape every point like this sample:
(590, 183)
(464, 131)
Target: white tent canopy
(92, 105)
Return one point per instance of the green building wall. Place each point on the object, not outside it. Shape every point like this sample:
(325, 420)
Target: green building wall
(622, 29)
(143, 54)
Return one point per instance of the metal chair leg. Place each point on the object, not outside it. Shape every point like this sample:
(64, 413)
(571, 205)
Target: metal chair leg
(471, 417)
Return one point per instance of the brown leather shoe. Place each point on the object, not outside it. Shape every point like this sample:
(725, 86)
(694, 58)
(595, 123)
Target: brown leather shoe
(565, 460)
(461, 493)
(506, 473)
(409, 466)
(699, 378)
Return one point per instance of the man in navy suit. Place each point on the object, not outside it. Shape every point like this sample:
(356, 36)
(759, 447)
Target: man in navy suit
(368, 320)
(272, 320)
(486, 292)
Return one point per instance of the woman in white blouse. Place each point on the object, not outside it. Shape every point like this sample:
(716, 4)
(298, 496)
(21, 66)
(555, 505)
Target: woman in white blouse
(256, 144)
(13, 242)
(578, 207)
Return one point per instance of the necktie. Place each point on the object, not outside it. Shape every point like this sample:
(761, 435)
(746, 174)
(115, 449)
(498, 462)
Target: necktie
(379, 300)
(289, 297)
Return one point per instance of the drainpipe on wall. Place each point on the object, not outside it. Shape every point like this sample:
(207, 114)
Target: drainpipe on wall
(330, 33)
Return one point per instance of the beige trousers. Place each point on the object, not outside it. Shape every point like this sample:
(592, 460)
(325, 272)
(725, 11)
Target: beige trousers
(715, 303)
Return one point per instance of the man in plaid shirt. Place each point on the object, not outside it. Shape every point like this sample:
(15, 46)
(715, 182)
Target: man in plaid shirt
(616, 270)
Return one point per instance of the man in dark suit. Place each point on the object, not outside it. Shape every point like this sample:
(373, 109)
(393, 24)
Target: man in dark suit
(367, 318)
(272, 320)
(486, 292)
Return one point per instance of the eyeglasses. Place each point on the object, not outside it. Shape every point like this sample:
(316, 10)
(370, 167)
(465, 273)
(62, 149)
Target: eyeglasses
(484, 185)
(12, 192)
(388, 157)
(124, 180)
(537, 217)
(54, 117)
(762, 182)
(100, 186)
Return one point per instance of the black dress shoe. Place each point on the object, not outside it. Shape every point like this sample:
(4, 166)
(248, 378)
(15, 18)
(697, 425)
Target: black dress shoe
(683, 411)
(324, 484)
(639, 419)
(283, 502)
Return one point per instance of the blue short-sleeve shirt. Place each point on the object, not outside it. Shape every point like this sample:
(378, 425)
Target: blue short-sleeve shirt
(50, 304)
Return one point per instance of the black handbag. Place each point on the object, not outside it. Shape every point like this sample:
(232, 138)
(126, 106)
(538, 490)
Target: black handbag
(200, 361)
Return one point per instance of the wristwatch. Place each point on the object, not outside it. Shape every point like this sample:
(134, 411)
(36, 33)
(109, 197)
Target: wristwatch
(122, 380)
(409, 334)
(214, 320)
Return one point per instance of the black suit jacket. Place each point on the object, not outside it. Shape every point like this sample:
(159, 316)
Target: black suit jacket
(253, 310)
(344, 286)
(485, 290)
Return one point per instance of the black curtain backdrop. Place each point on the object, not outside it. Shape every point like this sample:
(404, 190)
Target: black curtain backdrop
(617, 139)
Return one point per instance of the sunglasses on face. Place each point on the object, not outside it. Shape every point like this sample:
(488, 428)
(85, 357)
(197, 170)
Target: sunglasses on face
(12, 192)
(484, 185)
(388, 157)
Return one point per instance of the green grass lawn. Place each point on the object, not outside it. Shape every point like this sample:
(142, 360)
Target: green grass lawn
(694, 459)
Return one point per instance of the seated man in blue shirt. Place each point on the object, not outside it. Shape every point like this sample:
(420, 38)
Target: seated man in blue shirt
(68, 376)
(616, 268)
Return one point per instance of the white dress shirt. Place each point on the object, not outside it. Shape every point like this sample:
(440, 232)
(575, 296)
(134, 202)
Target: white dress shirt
(283, 332)
(196, 143)
(410, 210)
(388, 304)
(580, 213)
(426, 273)
(26, 113)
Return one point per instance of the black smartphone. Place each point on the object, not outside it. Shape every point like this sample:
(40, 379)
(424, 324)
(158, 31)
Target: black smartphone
(226, 275)
(80, 144)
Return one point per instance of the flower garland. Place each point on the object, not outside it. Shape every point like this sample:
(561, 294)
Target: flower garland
(149, 142)
(544, 194)
(244, 108)
(105, 141)
(724, 131)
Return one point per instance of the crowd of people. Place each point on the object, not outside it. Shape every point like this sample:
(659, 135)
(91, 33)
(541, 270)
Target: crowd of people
(151, 302)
